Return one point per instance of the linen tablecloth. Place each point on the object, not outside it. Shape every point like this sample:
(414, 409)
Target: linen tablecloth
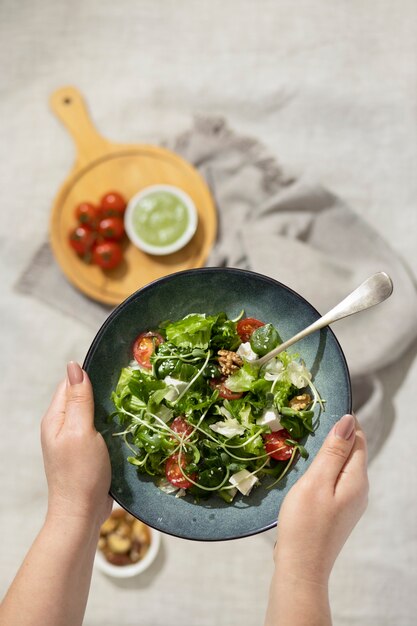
(329, 88)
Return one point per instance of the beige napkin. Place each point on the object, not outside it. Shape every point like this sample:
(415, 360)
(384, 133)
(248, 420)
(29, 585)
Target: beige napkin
(292, 230)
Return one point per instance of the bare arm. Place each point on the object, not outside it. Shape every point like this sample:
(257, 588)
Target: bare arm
(315, 520)
(51, 587)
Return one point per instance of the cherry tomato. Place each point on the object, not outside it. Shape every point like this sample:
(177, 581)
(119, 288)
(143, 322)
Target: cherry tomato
(107, 255)
(112, 204)
(111, 228)
(276, 447)
(246, 327)
(87, 213)
(181, 426)
(144, 346)
(224, 392)
(82, 239)
(174, 474)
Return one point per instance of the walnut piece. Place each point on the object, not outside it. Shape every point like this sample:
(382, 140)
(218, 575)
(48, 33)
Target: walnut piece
(300, 403)
(229, 362)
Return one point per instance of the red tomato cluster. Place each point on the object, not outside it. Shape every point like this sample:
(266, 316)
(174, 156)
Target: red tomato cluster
(100, 229)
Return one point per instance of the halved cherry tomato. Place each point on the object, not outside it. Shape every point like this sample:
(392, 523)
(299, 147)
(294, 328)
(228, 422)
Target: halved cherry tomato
(82, 239)
(112, 204)
(111, 228)
(174, 474)
(87, 213)
(276, 447)
(224, 392)
(246, 327)
(107, 255)
(180, 426)
(144, 346)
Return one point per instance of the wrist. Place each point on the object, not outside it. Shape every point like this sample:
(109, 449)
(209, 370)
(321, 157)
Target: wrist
(301, 568)
(297, 599)
(74, 522)
(87, 513)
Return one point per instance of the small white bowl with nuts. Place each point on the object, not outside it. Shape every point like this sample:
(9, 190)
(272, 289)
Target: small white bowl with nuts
(126, 546)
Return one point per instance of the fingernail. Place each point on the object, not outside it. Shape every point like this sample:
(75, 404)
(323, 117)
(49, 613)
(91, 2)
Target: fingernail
(75, 373)
(344, 427)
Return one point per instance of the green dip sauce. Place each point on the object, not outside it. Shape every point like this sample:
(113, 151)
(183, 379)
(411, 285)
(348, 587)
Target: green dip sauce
(160, 218)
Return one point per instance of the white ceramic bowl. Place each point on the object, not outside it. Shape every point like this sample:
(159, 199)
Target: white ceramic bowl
(176, 245)
(127, 571)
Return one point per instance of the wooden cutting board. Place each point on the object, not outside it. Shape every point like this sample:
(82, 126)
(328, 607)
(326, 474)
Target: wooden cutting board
(103, 166)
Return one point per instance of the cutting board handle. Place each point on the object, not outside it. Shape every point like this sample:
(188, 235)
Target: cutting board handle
(69, 106)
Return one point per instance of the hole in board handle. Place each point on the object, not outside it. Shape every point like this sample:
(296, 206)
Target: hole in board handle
(67, 100)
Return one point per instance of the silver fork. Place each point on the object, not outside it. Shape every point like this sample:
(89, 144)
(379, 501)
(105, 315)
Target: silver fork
(372, 291)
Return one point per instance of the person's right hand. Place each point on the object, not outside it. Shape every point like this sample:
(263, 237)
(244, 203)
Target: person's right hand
(322, 508)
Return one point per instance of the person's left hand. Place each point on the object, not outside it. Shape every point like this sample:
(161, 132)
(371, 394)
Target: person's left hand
(76, 459)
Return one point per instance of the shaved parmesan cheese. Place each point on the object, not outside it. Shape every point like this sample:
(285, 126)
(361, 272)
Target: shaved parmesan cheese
(245, 352)
(274, 369)
(164, 412)
(244, 481)
(164, 485)
(270, 418)
(176, 387)
(298, 374)
(225, 412)
(229, 427)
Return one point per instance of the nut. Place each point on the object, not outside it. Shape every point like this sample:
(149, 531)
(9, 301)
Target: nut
(123, 538)
(117, 544)
(108, 526)
(117, 559)
(138, 551)
(299, 403)
(135, 556)
(229, 362)
(123, 529)
(140, 532)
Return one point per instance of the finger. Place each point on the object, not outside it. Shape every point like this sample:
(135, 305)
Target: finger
(55, 415)
(335, 450)
(79, 412)
(356, 466)
(360, 451)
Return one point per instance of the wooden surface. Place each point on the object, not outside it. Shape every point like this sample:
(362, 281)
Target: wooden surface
(103, 166)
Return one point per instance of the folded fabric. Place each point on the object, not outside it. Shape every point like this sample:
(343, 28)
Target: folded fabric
(292, 230)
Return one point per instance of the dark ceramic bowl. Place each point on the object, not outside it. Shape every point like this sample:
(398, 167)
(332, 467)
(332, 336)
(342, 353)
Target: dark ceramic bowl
(211, 290)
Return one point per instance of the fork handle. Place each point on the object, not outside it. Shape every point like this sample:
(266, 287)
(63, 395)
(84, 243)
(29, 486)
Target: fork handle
(372, 291)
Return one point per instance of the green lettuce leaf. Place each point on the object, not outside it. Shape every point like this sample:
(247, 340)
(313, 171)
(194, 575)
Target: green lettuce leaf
(243, 379)
(191, 332)
(224, 334)
(283, 389)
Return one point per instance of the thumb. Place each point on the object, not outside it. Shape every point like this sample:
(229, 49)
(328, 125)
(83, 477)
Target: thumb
(335, 450)
(79, 410)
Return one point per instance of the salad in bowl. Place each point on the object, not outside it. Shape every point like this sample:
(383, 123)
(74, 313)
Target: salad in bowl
(200, 417)
(184, 407)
